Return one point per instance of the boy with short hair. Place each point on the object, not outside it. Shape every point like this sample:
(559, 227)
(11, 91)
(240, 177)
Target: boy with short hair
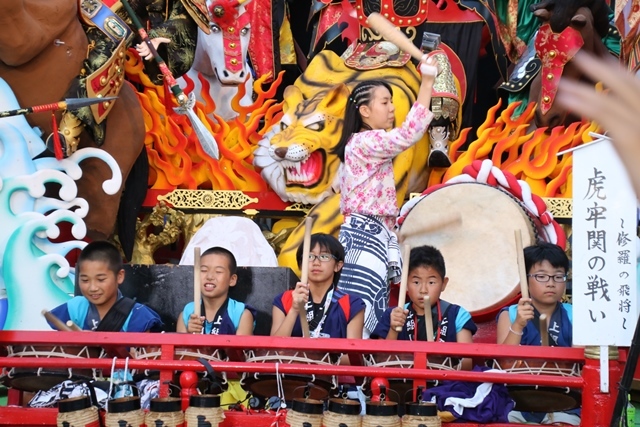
(427, 276)
(102, 307)
(547, 266)
(220, 315)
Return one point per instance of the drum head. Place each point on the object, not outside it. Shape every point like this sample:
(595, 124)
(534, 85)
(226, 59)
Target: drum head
(266, 386)
(479, 253)
(544, 399)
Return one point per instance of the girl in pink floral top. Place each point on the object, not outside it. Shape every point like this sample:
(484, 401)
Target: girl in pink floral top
(367, 148)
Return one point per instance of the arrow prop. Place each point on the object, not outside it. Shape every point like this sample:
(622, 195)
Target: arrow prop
(67, 104)
(186, 103)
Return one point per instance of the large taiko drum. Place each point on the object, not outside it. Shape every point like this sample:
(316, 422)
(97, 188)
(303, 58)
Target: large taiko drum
(480, 252)
(38, 378)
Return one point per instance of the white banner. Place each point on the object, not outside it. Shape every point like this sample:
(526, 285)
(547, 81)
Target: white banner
(605, 296)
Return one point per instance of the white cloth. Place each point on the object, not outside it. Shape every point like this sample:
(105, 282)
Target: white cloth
(239, 235)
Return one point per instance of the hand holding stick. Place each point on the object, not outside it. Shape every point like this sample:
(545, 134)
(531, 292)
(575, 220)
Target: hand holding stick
(57, 323)
(304, 273)
(402, 296)
(197, 303)
(428, 321)
(544, 330)
(524, 283)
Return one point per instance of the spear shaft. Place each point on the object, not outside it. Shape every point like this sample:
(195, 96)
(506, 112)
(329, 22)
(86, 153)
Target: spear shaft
(67, 104)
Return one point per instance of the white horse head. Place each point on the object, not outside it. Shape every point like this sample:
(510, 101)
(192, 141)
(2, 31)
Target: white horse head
(222, 53)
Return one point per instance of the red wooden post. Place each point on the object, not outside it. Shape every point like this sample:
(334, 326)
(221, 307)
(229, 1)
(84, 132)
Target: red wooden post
(188, 384)
(597, 407)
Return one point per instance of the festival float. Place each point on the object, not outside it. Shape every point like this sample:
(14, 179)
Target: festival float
(225, 122)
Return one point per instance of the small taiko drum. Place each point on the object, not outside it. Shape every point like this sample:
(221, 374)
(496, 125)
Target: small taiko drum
(530, 398)
(305, 413)
(165, 411)
(480, 252)
(266, 386)
(77, 412)
(383, 413)
(402, 387)
(37, 378)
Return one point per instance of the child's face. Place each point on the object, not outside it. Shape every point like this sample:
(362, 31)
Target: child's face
(215, 276)
(379, 113)
(98, 283)
(320, 271)
(424, 281)
(549, 292)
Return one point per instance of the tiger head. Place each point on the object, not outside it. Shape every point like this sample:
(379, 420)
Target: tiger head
(296, 154)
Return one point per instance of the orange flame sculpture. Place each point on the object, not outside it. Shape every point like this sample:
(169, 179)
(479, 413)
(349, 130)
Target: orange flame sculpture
(176, 159)
(530, 156)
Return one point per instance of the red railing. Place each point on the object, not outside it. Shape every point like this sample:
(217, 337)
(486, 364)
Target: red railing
(596, 406)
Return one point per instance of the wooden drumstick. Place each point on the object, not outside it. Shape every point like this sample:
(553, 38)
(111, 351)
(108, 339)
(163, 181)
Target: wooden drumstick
(428, 321)
(544, 330)
(57, 323)
(73, 326)
(196, 281)
(430, 226)
(406, 254)
(522, 270)
(390, 33)
(304, 271)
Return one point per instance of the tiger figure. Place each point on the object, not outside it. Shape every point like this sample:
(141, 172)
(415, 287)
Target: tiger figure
(296, 155)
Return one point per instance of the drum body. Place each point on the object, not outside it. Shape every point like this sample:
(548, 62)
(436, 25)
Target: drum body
(293, 386)
(37, 379)
(480, 252)
(541, 398)
(209, 354)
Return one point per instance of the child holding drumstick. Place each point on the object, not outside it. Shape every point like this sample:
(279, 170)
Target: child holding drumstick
(546, 266)
(102, 307)
(220, 315)
(331, 312)
(427, 277)
(367, 147)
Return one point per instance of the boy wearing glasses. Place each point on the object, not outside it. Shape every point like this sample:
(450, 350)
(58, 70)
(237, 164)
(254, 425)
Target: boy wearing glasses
(331, 313)
(547, 267)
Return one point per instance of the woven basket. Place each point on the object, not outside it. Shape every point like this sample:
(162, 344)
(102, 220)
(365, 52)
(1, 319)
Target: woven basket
(133, 418)
(169, 419)
(297, 419)
(415, 421)
(333, 419)
(381, 421)
(83, 418)
(212, 415)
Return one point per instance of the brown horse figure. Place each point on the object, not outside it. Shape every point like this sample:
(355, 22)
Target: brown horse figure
(42, 48)
(566, 27)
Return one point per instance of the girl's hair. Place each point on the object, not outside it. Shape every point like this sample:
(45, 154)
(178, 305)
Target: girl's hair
(361, 95)
(327, 243)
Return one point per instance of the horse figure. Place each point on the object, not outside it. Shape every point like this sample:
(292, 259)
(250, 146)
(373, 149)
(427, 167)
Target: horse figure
(220, 58)
(42, 51)
(566, 27)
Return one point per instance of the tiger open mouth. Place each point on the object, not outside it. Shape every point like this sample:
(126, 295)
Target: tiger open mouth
(305, 173)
